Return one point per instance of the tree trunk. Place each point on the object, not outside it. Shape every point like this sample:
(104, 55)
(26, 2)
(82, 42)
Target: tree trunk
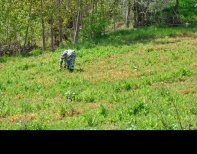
(174, 20)
(52, 35)
(175, 8)
(135, 11)
(103, 14)
(77, 22)
(77, 28)
(43, 27)
(140, 13)
(128, 14)
(60, 24)
(27, 28)
(114, 14)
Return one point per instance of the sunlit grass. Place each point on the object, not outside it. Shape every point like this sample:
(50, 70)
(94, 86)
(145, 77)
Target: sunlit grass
(132, 79)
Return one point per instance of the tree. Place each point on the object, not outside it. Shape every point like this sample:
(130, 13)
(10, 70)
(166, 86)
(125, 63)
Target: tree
(27, 28)
(175, 8)
(174, 19)
(128, 13)
(43, 26)
(78, 22)
(60, 23)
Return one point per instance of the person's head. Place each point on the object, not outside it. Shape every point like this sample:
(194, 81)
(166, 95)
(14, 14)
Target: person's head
(63, 56)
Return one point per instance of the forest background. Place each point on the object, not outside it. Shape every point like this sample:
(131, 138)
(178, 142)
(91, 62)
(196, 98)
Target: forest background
(48, 24)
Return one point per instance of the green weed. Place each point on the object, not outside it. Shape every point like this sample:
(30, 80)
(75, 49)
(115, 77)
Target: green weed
(130, 80)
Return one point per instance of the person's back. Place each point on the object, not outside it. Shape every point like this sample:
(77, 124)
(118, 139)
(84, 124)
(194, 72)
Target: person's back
(69, 52)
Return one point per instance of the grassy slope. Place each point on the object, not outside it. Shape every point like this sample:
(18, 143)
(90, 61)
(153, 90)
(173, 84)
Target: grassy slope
(132, 79)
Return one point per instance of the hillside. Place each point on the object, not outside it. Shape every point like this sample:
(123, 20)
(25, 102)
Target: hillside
(143, 79)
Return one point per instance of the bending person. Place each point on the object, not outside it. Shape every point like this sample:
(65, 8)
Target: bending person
(68, 57)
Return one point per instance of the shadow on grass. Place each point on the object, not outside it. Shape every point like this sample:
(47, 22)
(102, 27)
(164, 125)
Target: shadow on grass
(79, 70)
(132, 36)
(35, 52)
(3, 59)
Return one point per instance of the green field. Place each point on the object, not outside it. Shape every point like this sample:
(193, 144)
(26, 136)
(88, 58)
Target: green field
(143, 79)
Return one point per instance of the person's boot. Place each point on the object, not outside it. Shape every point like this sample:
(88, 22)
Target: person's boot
(71, 70)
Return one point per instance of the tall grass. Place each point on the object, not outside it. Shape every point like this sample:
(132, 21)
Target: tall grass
(137, 79)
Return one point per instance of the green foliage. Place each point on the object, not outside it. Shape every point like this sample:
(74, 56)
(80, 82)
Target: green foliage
(102, 110)
(21, 22)
(36, 52)
(184, 10)
(3, 59)
(93, 26)
(70, 96)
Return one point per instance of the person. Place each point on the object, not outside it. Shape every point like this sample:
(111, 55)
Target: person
(68, 58)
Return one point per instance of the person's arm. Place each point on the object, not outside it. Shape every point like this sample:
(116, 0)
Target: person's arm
(63, 58)
(60, 62)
